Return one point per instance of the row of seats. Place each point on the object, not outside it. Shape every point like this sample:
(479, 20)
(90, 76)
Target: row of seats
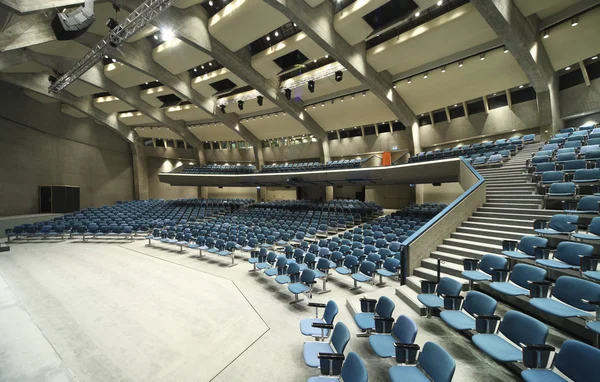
(314, 166)
(219, 169)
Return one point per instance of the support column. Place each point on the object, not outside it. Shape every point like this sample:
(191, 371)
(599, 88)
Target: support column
(140, 171)
(261, 194)
(325, 156)
(328, 193)
(416, 137)
(200, 156)
(259, 158)
(203, 192)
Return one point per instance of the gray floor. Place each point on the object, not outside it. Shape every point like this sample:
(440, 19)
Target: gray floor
(122, 311)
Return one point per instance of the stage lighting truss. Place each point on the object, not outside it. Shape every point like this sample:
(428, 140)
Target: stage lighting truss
(136, 20)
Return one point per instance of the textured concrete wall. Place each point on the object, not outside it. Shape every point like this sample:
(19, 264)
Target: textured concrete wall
(578, 121)
(393, 197)
(280, 193)
(42, 146)
(521, 117)
(232, 192)
(580, 99)
(157, 190)
(446, 193)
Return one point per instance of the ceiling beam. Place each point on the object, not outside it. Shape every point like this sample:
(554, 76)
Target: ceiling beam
(586, 75)
(38, 82)
(192, 28)
(317, 23)
(25, 31)
(581, 6)
(138, 55)
(23, 7)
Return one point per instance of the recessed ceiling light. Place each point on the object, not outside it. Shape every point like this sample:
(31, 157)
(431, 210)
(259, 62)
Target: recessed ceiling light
(460, 64)
(568, 68)
(455, 105)
(417, 14)
(210, 3)
(425, 75)
(276, 33)
(202, 67)
(295, 25)
(439, 3)
(520, 86)
(409, 80)
(505, 50)
(546, 33)
(595, 58)
(443, 69)
(482, 56)
(575, 22)
(268, 38)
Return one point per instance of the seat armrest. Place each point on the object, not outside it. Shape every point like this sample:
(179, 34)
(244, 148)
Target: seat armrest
(317, 305)
(428, 287)
(486, 323)
(541, 252)
(509, 245)
(331, 356)
(500, 274)
(383, 324)
(470, 264)
(453, 302)
(591, 302)
(406, 353)
(536, 356)
(331, 364)
(540, 224)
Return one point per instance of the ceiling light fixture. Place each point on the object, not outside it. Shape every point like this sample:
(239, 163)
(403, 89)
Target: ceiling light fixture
(443, 69)
(546, 33)
(311, 86)
(575, 21)
(505, 50)
(595, 58)
(241, 105)
(439, 3)
(288, 94)
(268, 38)
(364, 94)
(352, 96)
(210, 64)
(568, 68)
(520, 86)
(409, 80)
(417, 14)
(276, 34)
(210, 3)
(460, 64)
(425, 75)
(482, 56)
(202, 67)
(167, 35)
(259, 100)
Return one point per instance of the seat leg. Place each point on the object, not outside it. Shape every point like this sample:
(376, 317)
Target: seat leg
(324, 290)
(366, 333)
(470, 284)
(233, 263)
(296, 299)
(356, 286)
(381, 282)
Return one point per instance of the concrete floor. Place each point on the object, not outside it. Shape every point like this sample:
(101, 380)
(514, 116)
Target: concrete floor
(123, 311)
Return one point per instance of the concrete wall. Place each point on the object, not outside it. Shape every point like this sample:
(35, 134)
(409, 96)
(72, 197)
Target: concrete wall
(232, 192)
(157, 189)
(393, 197)
(501, 121)
(42, 146)
(445, 193)
(281, 193)
(580, 99)
(586, 119)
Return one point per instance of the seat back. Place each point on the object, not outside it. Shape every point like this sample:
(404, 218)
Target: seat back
(331, 310)
(391, 263)
(545, 167)
(437, 363)
(564, 188)
(521, 328)
(308, 276)
(354, 369)
(384, 307)
(552, 176)
(523, 273)
(480, 304)
(569, 252)
(449, 287)
(594, 226)
(578, 361)
(368, 267)
(405, 330)
(527, 244)
(589, 203)
(489, 262)
(340, 337)
(571, 290)
(563, 223)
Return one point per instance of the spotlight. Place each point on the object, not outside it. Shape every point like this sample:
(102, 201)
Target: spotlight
(322, 104)
(409, 80)
(311, 86)
(114, 60)
(520, 86)
(595, 58)
(210, 3)
(352, 96)
(460, 64)
(202, 67)
(443, 69)
(210, 63)
(295, 25)
(268, 38)
(364, 94)
(417, 14)
(259, 100)
(575, 21)
(342, 100)
(546, 33)
(241, 105)
(288, 93)
(222, 107)
(425, 75)
(505, 50)
(439, 3)
(111, 23)
(106, 57)
(568, 68)
(339, 75)
(482, 56)
(195, 70)
(276, 33)
(167, 35)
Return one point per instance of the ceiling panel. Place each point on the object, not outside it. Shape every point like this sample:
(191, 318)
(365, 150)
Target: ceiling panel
(362, 110)
(274, 127)
(176, 56)
(567, 45)
(27, 67)
(349, 22)
(457, 30)
(156, 132)
(82, 89)
(151, 95)
(543, 8)
(125, 76)
(202, 83)
(68, 48)
(39, 97)
(70, 110)
(243, 21)
(187, 113)
(186, 3)
(111, 104)
(314, 3)
(135, 118)
(323, 86)
(103, 11)
(215, 133)
(498, 72)
(263, 61)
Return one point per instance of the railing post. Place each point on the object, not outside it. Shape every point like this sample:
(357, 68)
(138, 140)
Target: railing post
(403, 255)
(439, 266)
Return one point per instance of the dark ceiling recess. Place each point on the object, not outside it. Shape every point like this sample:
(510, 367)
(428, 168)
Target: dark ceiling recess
(389, 13)
(292, 60)
(522, 95)
(457, 112)
(150, 85)
(475, 107)
(307, 68)
(216, 6)
(495, 102)
(103, 94)
(285, 31)
(169, 100)
(570, 79)
(224, 85)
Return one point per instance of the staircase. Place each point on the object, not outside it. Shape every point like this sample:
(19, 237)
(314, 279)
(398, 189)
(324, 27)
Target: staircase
(509, 211)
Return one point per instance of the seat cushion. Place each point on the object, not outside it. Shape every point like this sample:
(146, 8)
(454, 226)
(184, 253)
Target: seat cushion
(224, 253)
(585, 236)
(547, 232)
(360, 277)
(386, 273)
(213, 250)
(364, 320)
(282, 279)
(555, 264)
(271, 272)
(476, 275)
(407, 373)
(307, 329)
(343, 270)
(497, 348)
(595, 275)
(540, 375)
(594, 326)
(253, 260)
(516, 255)
(431, 300)
(263, 265)
(509, 289)
(312, 350)
(322, 379)
(383, 345)
(458, 320)
(297, 288)
(557, 308)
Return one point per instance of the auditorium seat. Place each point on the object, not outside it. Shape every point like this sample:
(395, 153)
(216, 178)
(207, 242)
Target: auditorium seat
(571, 297)
(518, 328)
(353, 370)
(432, 292)
(462, 317)
(481, 270)
(434, 364)
(575, 360)
(391, 268)
(365, 273)
(519, 282)
(303, 285)
(592, 234)
(566, 255)
(329, 314)
(587, 205)
(366, 320)
(559, 224)
(404, 331)
(338, 341)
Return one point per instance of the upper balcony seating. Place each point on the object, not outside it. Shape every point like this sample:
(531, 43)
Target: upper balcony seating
(219, 169)
(314, 166)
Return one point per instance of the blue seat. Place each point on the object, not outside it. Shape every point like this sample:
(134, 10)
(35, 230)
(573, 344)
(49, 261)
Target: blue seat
(353, 370)
(404, 330)
(541, 168)
(559, 224)
(487, 263)
(292, 273)
(337, 344)
(588, 176)
(447, 286)
(566, 255)
(365, 273)
(571, 166)
(561, 191)
(529, 138)
(518, 328)
(519, 280)
(433, 360)
(280, 267)
(576, 360)
(587, 205)
(525, 248)
(476, 303)
(350, 265)
(592, 234)
(366, 320)
(329, 314)
(304, 285)
(568, 293)
(391, 267)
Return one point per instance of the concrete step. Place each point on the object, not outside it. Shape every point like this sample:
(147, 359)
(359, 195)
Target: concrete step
(493, 192)
(519, 202)
(500, 227)
(474, 245)
(516, 215)
(503, 171)
(515, 182)
(449, 268)
(515, 196)
(532, 211)
(511, 187)
(479, 238)
(492, 232)
(409, 296)
(511, 205)
(448, 257)
(516, 222)
(507, 176)
(462, 251)
(431, 275)
(414, 283)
